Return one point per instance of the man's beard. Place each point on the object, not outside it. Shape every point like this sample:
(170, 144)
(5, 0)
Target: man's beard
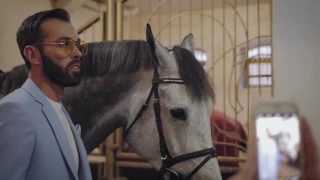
(59, 75)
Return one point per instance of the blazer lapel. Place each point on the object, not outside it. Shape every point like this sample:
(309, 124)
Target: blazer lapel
(54, 122)
(84, 169)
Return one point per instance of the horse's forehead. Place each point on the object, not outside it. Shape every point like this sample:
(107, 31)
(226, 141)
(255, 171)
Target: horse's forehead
(177, 95)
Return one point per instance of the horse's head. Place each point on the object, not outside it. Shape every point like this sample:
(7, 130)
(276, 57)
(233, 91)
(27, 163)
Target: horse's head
(186, 100)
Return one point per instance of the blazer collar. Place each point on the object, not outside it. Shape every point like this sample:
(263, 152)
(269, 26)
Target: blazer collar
(84, 168)
(54, 122)
(34, 91)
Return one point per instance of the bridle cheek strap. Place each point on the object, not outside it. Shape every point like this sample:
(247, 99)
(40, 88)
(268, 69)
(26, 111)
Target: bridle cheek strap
(200, 166)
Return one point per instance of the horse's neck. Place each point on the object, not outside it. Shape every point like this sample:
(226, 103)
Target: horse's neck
(100, 105)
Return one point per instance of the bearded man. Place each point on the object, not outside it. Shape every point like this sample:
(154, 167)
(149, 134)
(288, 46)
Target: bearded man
(37, 137)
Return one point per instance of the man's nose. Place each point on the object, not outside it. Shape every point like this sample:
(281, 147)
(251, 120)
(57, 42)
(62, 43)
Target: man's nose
(77, 53)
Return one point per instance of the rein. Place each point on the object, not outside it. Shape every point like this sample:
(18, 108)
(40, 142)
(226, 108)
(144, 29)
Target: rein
(167, 160)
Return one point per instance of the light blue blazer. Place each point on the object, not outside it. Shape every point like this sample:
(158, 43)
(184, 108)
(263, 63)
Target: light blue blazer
(33, 143)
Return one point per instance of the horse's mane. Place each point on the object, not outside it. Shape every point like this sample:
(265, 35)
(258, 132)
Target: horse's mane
(124, 57)
(130, 56)
(12, 80)
(109, 57)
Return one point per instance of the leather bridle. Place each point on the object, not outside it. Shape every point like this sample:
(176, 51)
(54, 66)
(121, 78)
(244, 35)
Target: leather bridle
(167, 160)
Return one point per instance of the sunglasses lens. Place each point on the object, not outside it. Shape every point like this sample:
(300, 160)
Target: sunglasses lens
(83, 48)
(69, 48)
(61, 51)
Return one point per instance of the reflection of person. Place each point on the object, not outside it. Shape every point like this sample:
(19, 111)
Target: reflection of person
(276, 136)
(37, 138)
(268, 152)
(295, 161)
(292, 127)
(310, 166)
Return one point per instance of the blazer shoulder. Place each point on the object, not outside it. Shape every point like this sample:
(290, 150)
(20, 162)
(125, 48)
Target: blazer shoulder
(16, 106)
(18, 97)
(14, 112)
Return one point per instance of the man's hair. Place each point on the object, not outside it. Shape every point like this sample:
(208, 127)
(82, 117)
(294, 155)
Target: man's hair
(30, 30)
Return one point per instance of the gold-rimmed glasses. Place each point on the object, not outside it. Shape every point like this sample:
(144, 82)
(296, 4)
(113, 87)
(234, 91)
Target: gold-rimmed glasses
(68, 47)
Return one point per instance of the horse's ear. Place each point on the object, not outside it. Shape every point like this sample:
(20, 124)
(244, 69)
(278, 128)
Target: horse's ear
(161, 52)
(188, 43)
(150, 38)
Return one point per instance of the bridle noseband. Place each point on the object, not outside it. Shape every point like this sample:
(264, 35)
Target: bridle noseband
(167, 160)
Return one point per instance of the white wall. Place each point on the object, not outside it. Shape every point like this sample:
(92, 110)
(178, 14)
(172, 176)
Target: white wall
(296, 55)
(12, 13)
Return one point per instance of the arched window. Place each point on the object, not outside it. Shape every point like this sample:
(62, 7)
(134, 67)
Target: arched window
(259, 69)
(257, 63)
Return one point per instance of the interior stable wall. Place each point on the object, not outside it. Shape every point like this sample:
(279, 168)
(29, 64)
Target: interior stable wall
(228, 31)
(296, 56)
(12, 13)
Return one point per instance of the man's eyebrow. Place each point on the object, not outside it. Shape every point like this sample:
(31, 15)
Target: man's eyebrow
(66, 38)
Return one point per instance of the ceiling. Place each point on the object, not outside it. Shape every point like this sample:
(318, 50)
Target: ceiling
(146, 6)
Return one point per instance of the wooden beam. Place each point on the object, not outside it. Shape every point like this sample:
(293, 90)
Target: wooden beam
(69, 5)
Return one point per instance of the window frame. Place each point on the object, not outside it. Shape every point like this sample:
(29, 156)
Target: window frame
(257, 60)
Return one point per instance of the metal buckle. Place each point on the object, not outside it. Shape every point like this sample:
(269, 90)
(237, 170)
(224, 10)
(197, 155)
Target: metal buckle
(173, 172)
(164, 158)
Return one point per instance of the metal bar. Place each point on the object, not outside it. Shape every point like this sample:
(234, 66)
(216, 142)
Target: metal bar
(119, 18)
(170, 11)
(93, 33)
(201, 26)
(234, 65)
(180, 24)
(264, 60)
(103, 25)
(111, 20)
(247, 80)
(159, 22)
(190, 20)
(212, 41)
(109, 168)
(119, 35)
(130, 20)
(224, 73)
(140, 22)
(271, 44)
(258, 9)
(258, 76)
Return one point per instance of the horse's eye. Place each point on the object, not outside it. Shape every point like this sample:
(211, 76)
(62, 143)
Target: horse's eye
(178, 113)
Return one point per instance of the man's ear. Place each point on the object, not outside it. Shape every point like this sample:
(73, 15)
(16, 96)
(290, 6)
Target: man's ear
(33, 55)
